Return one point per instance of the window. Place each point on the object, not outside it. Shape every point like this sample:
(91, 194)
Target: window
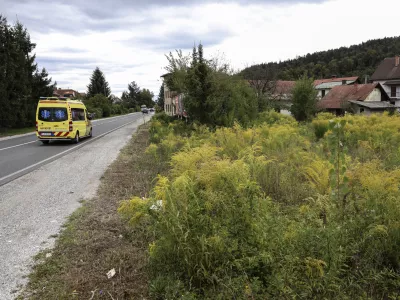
(52, 114)
(393, 91)
(78, 114)
(323, 93)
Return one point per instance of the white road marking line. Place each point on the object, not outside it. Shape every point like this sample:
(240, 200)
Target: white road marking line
(17, 145)
(38, 140)
(62, 153)
(32, 133)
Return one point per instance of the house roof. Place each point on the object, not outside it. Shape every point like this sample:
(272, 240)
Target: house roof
(329, 85)
(284, 87)
(387, 70)
(62, 92)
(373, 104)
(320, 81)
(392, 82)
(344, 93)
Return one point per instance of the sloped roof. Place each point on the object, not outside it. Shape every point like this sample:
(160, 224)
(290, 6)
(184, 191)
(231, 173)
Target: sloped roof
(373, 104)
(344, 93)
(62, 92)
(320, 81)
(284, 87)
(329, 85)
(387, 70)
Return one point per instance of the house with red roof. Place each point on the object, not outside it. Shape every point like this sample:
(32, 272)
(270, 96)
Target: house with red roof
(324, 86)
(360, 98)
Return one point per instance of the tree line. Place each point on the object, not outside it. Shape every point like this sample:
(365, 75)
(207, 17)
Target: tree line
(100, 101)
(21, 81)
(357, 60)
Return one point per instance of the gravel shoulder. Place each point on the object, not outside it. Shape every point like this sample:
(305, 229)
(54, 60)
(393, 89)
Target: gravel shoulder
(34, 207)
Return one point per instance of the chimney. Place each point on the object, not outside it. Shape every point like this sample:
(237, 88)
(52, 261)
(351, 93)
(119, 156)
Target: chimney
(397, 60)
(333, 76)
(344, 82)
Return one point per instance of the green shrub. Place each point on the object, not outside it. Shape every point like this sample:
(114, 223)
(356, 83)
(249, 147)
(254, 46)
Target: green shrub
(97, 111)
(272, 117)
(320, 128)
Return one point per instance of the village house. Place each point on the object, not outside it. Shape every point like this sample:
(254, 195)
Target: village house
(359, 98)
(324, 86)
(173, 101)
(65, 93)
(388, 75)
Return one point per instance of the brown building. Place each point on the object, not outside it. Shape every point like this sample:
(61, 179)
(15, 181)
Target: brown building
(361, 98)
(173, 101)
(324, 86)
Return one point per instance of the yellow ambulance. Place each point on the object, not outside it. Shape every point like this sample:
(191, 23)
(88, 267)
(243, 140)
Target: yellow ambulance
(62, 119)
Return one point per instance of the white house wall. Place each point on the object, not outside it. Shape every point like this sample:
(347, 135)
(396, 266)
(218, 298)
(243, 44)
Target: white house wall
(168, 105)
(375, 95)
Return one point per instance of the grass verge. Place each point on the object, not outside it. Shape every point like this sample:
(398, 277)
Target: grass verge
(15, 131)
(95, 239)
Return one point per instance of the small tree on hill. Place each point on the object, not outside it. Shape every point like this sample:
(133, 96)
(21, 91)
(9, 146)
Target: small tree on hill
(304, 99)
(98, 84)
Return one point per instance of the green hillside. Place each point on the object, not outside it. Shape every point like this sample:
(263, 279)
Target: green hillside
(356, 60)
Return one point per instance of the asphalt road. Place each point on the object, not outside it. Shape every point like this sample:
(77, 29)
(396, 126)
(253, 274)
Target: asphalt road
(19, 156)
(45, 185)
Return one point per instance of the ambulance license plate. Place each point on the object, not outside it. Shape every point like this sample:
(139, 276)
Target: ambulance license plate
(46, 134)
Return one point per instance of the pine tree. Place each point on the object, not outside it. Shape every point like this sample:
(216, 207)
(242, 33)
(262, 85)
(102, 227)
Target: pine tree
(131, 98)
(42, 86)
(6, 73)
(98, 84)
(160, 99)
(20, 82)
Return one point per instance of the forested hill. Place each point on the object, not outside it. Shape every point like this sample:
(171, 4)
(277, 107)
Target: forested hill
(356, 60)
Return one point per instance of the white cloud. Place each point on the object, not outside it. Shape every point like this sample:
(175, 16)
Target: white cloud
(131, 46)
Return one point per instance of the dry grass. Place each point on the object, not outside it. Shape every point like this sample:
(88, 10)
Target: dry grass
(96, 240)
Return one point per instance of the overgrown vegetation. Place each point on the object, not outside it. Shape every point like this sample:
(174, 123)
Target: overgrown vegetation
(278, 211)
(357, 60)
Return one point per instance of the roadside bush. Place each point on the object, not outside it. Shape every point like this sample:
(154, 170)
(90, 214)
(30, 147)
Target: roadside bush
(270, 212)
(99, 101)
(116, 109)
(97, 111)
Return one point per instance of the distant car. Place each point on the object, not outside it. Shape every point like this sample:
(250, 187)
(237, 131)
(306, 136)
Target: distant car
(145, 110)
(151, 109)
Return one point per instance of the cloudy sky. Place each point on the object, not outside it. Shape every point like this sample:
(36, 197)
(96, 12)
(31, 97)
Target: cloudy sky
(127, 39)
